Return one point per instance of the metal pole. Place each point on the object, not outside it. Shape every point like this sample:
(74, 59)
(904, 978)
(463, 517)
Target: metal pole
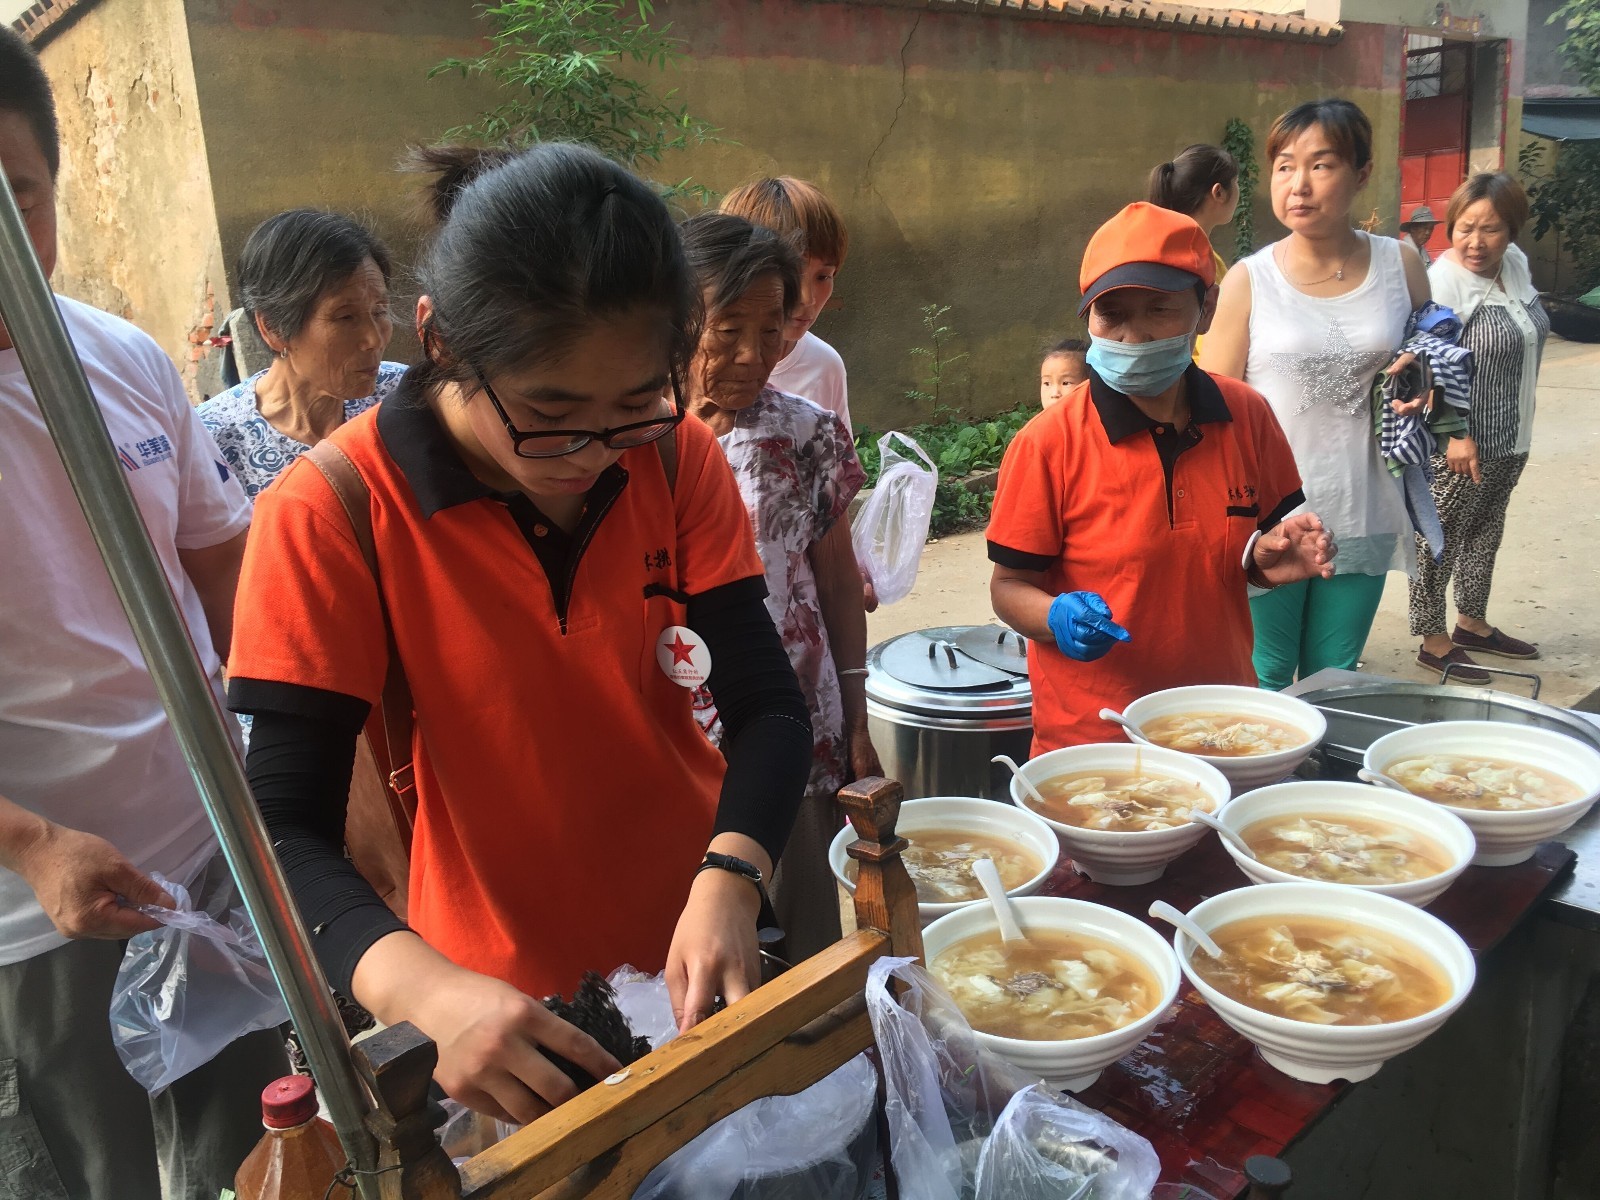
(81, 438)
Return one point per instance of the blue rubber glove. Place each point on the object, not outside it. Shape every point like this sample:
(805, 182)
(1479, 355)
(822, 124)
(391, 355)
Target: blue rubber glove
(1082, 624)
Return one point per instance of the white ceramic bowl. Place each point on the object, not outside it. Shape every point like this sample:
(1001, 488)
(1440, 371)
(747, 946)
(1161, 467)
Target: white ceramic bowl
(1504, 838)
(1246, 771)
(1073, 1064)
(1327, 798)
(1123, 858)
(969, 814)
(1323, 1053)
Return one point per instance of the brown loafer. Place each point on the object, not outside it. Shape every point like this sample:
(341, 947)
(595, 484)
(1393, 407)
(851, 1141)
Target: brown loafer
(1466, 670)
(1501, 644)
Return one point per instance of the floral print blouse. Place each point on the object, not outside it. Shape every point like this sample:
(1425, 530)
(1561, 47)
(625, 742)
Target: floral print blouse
(797, 470)
(256, 451)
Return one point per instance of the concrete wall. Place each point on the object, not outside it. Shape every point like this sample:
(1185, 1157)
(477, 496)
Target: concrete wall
(138, 227)
(314, 102)
(974, 154)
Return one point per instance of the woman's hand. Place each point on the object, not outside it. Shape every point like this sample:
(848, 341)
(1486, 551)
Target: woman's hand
(714, 949)
(1299, 548)
(489, 1035)
(864, 762)
(1461, 456)
(1416, 404)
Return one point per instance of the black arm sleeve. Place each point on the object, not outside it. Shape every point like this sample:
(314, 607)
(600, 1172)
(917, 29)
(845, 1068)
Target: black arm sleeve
(766, 726)
(299, 768)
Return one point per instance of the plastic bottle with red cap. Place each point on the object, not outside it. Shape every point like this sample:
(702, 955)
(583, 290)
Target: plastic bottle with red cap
(300, 1154)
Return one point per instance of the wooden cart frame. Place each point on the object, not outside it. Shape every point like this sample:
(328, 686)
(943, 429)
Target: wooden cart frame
(782, 1038)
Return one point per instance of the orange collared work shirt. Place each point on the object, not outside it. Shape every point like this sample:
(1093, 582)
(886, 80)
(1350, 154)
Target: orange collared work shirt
(1086, 497)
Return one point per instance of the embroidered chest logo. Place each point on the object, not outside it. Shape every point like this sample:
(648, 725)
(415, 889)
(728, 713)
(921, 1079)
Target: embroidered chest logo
(1240, 495)
(658, 560)
(146, 453)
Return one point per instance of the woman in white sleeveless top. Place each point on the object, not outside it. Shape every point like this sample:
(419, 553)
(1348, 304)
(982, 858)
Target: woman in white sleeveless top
(1310, 323)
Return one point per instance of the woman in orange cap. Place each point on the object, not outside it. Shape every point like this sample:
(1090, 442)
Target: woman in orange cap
(1130, 517)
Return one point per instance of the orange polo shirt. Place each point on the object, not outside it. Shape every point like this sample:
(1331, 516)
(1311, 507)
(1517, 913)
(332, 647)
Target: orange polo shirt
(565, 794)
(1102, 499)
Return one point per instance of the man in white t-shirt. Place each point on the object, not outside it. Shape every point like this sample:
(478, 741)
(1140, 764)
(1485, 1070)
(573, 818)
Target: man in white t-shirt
(94, 793)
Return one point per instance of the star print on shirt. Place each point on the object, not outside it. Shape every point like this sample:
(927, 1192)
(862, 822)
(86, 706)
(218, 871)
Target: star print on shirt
(681, 650)
(1337, 374)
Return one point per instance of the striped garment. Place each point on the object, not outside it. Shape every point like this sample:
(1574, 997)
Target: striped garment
(1499, 336)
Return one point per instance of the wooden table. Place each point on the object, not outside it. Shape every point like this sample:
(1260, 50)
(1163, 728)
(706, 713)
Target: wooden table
(1200, 1092)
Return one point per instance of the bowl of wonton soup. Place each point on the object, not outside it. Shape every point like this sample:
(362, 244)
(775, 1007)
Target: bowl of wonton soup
(1253, 736)
(1120, 808)
(1351, 835)
(946, 833)
(1081, 992)
(1365, 977)
(1514, 785)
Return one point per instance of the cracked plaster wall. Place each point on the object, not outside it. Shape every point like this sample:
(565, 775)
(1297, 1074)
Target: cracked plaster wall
(138, 230)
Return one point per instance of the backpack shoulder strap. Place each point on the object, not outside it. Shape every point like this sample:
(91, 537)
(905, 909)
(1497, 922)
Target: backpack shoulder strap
(395, 708)
(667, 447)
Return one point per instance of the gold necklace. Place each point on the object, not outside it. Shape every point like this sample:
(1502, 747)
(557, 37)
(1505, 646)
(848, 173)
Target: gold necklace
(1339, 274)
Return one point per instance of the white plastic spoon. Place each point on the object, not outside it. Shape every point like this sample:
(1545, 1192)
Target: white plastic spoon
(989, 877)
(1204, 818)
(1379, 779)
(1027, 783)
(1116, 718)
(1162, 911)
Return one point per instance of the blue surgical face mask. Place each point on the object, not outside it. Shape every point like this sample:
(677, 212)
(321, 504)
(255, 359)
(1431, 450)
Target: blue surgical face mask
(1141, 368)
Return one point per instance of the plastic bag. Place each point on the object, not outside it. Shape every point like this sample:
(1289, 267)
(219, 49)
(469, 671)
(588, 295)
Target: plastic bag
(965, 1124)
(187, 990)
(892, 526)
(819, 1142)
(1044, 1149)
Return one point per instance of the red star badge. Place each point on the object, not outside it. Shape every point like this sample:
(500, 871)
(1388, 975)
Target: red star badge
(681, 650)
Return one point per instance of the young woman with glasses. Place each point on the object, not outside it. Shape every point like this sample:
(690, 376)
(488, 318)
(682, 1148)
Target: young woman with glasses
(561, 559)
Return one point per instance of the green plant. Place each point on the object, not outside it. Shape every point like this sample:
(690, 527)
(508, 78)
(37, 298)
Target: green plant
(1581, 45)
(1240, 141)
(1564, 196)
(938, 360)
(560, 59)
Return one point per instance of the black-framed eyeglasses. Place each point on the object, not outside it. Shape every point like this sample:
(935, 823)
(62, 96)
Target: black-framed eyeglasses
(557, 442)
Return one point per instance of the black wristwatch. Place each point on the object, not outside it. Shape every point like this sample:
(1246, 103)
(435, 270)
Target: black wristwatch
(715, 861)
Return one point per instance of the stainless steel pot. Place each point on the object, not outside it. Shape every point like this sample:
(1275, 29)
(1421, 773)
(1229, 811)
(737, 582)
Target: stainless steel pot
(1360, 713)
(942, 702)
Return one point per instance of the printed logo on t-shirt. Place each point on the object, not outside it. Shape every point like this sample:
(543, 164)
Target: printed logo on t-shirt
(146, 453)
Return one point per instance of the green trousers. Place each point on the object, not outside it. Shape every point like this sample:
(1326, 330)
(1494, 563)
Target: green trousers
(1303, 627)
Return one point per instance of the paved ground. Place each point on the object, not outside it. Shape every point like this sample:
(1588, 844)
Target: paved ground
(1545, 583)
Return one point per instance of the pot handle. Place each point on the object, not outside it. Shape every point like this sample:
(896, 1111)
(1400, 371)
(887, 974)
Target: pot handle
(1452, 668)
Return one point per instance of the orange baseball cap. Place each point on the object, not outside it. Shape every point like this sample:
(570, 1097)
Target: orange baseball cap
(1146, 246)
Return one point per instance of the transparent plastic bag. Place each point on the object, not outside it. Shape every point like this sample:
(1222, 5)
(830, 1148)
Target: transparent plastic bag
(889, 532)
(965, 1124)
(187, 990)
(819, 1142)
(1044, 1147)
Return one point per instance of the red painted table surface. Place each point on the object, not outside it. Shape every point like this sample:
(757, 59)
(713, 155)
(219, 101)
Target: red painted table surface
(1199, 1091)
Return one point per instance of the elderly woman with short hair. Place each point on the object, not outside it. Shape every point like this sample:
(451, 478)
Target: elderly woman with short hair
(797, 472)
(316, 287)
(1484, 277)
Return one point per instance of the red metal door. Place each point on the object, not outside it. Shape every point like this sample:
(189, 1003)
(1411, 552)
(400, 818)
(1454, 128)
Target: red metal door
(1433, 151)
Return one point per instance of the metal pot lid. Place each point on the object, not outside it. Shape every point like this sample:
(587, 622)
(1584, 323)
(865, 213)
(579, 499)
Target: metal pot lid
(928, 672)
(996, 646)
(1358, 714)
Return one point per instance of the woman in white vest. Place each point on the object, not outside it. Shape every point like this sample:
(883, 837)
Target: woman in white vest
(1310, 323)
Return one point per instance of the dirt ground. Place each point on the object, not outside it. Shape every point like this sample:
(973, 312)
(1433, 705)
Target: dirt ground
(1545, 580)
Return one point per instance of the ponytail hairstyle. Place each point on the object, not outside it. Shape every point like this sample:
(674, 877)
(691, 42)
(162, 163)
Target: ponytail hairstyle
(1184, 183)
(534, 246)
